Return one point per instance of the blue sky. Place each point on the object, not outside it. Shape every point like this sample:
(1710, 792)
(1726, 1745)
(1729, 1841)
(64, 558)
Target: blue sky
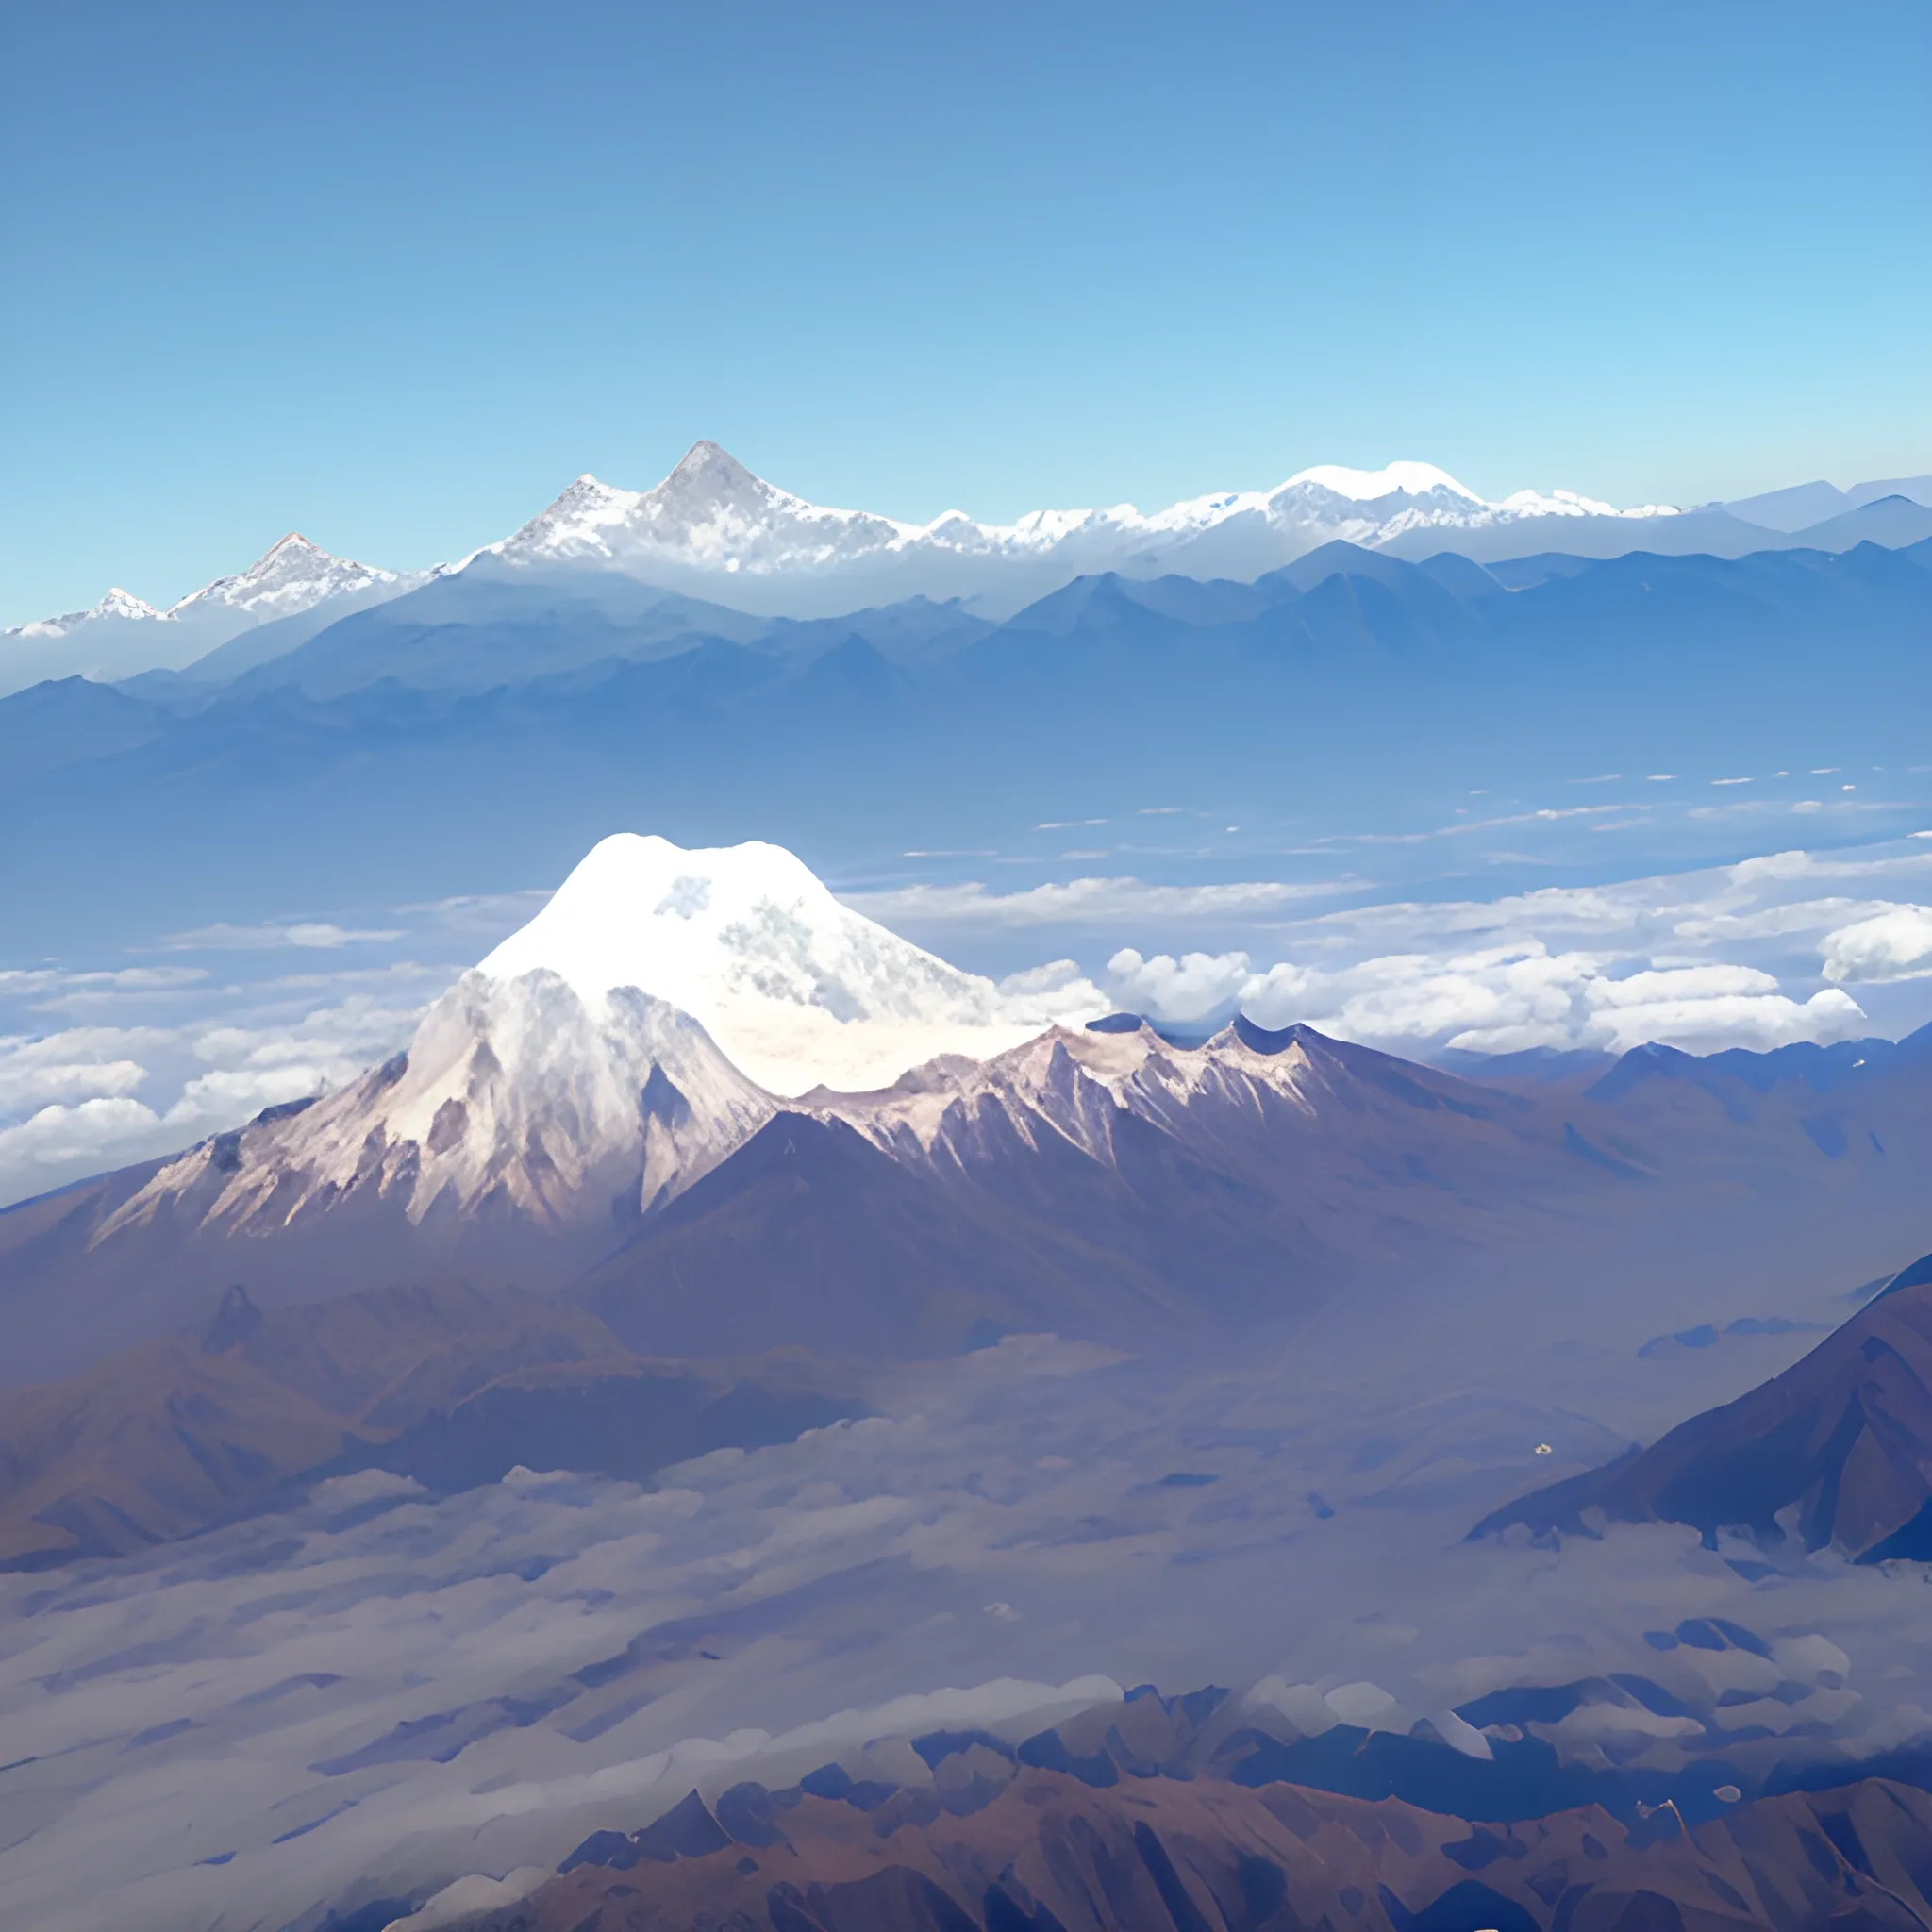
(393, 274)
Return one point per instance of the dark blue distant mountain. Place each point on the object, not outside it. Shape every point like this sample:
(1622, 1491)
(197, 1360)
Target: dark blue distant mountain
(70, 719)
(1822, 1069)
(1893, 520)
(478, 734)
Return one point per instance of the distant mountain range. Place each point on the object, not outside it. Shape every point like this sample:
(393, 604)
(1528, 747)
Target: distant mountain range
(486, 729)
(712, 529)
(124, 635)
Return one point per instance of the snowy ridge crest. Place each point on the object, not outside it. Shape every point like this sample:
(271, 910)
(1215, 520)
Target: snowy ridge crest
(118, 603)
(712, 518)
(513, 1093)
(712, 514)
(291, 576)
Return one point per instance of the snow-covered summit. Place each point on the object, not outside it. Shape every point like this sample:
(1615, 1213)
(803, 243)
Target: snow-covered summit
(600, 1060)
(117, 606)
(292, 574)
(516, 1095)
(710, 513)
(124, 635)
(797, 990)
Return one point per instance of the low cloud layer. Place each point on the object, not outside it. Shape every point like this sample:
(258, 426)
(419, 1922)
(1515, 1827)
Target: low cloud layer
(1082, 902)
(84, 1098)
(1503, 1000)
(1756, 954)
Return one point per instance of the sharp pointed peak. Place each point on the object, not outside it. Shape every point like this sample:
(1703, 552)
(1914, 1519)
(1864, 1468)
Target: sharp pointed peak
(118, 603)
(290, 574)
(705, 452)
(123, 603)
(291, 547)
(712, 465)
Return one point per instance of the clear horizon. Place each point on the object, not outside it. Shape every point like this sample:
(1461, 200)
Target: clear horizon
(896, 267)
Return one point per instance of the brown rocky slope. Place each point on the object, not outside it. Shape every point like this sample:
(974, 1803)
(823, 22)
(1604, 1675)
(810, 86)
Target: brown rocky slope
(1048, 1853)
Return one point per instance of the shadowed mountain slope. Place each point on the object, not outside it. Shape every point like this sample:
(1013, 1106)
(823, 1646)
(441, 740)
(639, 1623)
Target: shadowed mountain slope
(1838, 1448)
(451, 1387)
(1097, 1183)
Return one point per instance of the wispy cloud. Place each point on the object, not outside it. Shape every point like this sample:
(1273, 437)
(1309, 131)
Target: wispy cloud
(305, 935)
(1083, 901)
(27, 982)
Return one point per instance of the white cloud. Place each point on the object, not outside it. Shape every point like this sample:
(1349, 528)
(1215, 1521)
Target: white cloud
(222, 1099)
(83, 1063)
(111, 1128)
(1058, 990)
(1800, 917)
(1677, 985)
(1086, 902)
(307, 934)
(1190, 987)
(1502, 1000)
(71, 1094)
(25, 1085)
(1757, 1020)
(1895, 943)
(93, 1133)
(29, 981)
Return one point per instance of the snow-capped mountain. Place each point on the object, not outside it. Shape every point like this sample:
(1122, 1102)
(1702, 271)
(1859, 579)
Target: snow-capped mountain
(604, 1058)
(713, 529)
(1259, 1105)
(292, 575)
(516, 1095)
(797, 990)
(124, 635)
(710, 513)
(712, 519)
(118, 605)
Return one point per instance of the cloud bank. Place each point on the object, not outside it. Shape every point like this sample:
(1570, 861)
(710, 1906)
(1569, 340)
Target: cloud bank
(1504, 1000)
